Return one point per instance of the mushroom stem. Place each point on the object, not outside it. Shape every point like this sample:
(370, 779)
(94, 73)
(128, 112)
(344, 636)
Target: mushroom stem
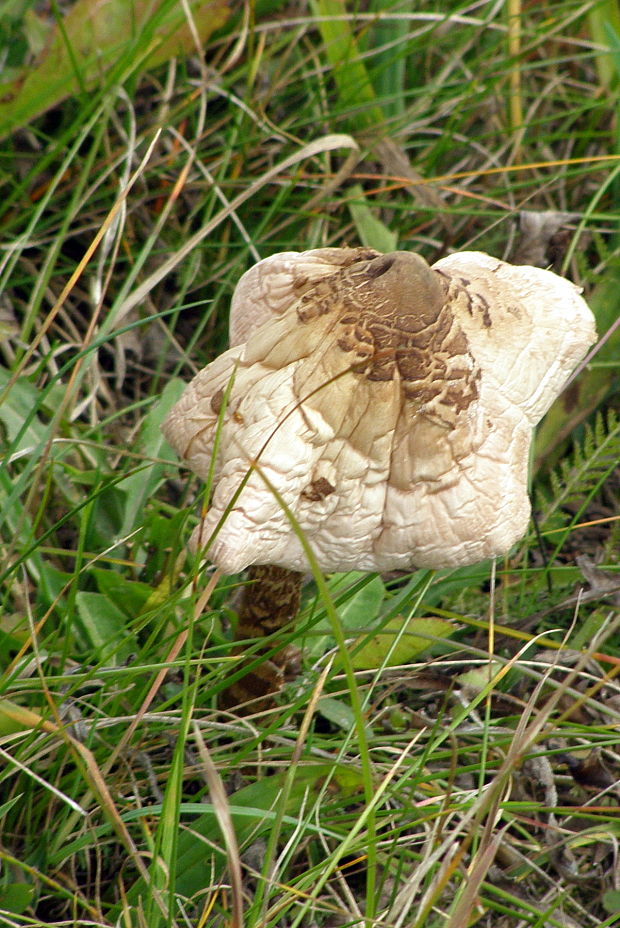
(270, 600)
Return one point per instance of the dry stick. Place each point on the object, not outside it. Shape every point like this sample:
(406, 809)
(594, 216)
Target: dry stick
(514, 52)
(221, 809)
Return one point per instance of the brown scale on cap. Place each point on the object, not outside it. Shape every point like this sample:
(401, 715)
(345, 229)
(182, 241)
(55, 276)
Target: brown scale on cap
(396, 321)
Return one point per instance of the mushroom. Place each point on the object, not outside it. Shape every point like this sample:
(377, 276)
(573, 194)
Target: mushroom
(391, 405)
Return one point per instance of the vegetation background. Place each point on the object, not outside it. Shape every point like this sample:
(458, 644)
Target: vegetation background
(456, 763)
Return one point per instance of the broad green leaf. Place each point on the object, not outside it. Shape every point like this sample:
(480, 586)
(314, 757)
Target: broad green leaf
(418, 635)
(611, 901)
(15, 409)
(104, 627)
(15, 718)
(339, 713)
(355, 90)
(16, 897)
(94, 37)
(358, 612)
(604, 23)
(389, 71)
(479, 678)
(372, 232)
(130, 596)
(363, 607)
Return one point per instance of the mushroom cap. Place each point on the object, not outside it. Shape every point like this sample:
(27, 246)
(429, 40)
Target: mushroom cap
(391, 405)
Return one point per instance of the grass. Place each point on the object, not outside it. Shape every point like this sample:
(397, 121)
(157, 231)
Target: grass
(462, 769)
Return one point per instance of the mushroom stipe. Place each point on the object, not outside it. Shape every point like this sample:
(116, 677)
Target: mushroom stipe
(390, 403)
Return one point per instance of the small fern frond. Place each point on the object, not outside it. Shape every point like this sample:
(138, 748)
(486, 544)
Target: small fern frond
(577, 479)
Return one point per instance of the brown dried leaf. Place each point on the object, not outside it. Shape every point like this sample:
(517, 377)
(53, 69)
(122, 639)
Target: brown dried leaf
(545, 237)
(590, 772)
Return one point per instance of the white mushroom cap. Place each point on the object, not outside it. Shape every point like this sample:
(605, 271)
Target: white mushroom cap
(389, 403)
(269, 287)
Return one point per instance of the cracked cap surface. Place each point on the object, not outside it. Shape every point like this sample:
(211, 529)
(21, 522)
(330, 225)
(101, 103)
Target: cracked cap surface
(390, 404)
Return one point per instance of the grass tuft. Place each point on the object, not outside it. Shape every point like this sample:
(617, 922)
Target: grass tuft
(448, 755)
